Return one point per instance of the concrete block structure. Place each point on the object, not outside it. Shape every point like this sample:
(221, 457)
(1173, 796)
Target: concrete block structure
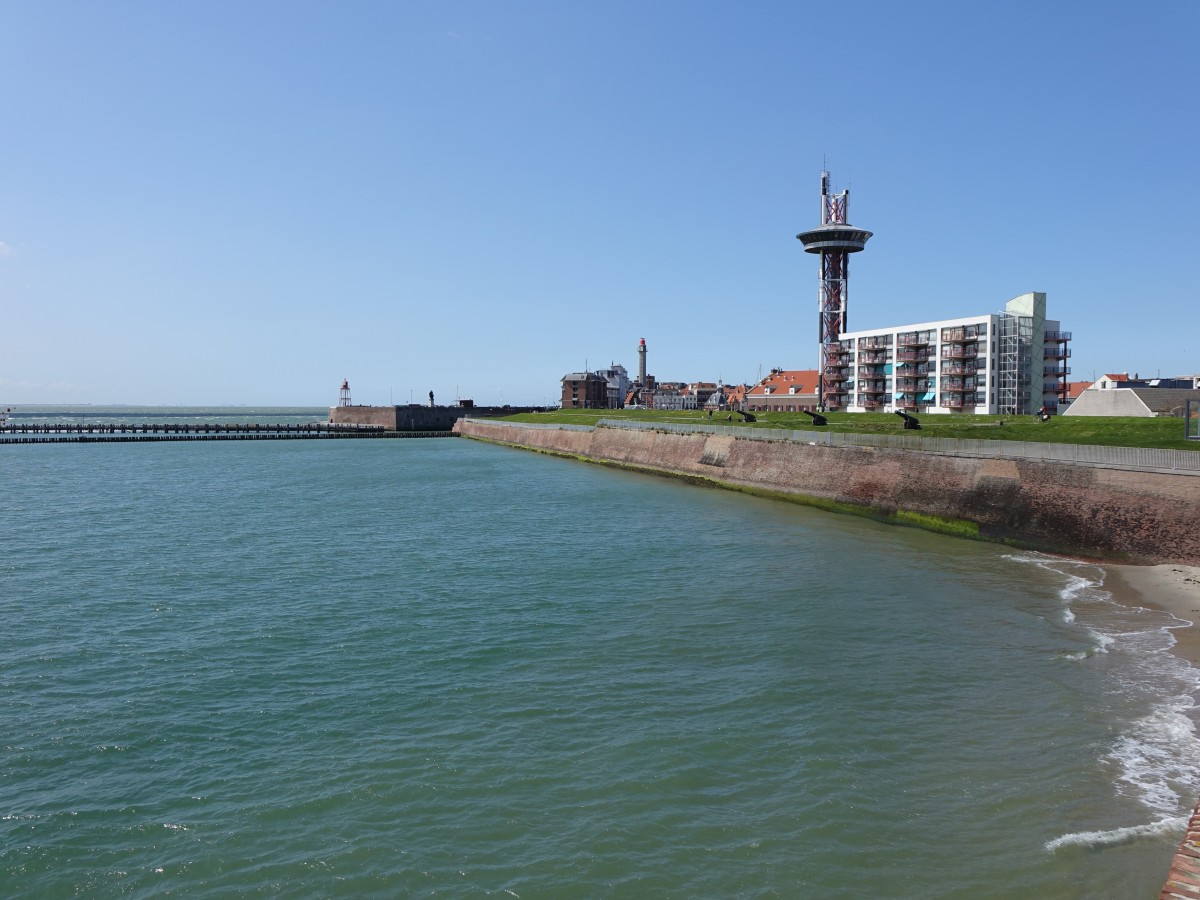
(1120, 395)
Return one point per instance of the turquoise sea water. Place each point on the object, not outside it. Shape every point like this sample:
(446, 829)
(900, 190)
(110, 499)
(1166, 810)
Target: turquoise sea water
(418, 668)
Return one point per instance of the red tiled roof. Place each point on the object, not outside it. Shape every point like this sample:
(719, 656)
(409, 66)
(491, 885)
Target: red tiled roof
(803, 380)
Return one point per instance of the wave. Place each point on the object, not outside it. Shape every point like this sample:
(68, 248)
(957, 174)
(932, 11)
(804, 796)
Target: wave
(1116, 836)
(1159, 756)
(1156, 751)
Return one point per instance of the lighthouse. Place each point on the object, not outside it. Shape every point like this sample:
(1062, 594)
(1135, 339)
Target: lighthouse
(642, 363)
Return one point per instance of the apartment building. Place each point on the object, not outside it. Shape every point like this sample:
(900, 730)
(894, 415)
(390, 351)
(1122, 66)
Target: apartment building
(1008, 363)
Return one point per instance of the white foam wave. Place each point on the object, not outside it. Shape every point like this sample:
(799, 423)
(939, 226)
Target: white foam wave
(1159, 757)
(1118, 835)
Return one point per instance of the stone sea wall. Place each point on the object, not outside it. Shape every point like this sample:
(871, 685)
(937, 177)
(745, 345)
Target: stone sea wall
(1096, 512)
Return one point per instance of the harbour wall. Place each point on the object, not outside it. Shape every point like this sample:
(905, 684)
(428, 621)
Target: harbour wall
(414, 417)
(1097, 512)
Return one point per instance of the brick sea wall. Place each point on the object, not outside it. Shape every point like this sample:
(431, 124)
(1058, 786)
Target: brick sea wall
(1095, 512)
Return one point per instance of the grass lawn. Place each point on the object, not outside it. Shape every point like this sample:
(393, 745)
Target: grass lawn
(1108, 431)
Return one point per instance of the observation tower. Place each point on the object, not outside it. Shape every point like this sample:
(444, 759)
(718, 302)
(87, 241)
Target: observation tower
(835, 239)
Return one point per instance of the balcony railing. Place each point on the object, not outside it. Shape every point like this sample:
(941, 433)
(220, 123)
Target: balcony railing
(960, 351)
(1058, 335)
(964, 333)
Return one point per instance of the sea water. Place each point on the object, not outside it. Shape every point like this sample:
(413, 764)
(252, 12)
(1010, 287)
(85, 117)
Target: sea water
(440, 667)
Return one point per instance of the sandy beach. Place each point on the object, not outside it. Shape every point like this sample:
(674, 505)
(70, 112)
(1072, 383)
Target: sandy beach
(1173, 588)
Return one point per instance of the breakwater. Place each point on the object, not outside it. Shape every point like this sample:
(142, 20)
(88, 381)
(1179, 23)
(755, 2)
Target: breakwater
(1101, 512)
(77, 433)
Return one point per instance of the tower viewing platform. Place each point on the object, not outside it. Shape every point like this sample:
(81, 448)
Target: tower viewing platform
(834, 237)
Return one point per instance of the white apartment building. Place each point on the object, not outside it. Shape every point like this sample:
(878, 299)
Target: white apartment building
(1009, 363)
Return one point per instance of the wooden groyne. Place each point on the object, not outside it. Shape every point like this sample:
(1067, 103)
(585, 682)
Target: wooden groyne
(80, 433)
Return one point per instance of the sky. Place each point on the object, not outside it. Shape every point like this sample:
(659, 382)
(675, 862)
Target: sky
(209, 203)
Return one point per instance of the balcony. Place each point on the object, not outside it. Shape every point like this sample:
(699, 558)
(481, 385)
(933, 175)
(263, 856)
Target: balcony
(875, 343)
(964, 333)
(1056, 370)
(1058, 336)
(876, 356)
(912, 355)
(952, 402)
(916, 339)
(1056, 352)
(960, 351)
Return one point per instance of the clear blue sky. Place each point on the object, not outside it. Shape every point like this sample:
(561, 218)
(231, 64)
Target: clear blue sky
(229, 202)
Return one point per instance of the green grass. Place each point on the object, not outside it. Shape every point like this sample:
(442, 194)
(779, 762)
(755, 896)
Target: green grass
(1110, 431)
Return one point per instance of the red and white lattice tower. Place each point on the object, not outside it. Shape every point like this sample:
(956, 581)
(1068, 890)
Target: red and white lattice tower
(344, 396)
(835, 240)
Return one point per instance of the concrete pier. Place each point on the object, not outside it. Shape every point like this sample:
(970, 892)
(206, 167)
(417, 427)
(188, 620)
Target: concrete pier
(81, 433)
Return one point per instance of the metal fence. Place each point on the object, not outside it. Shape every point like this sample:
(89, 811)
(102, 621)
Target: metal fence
(1191, 420)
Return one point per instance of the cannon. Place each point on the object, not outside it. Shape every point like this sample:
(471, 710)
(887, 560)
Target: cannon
(817, 418)
(746, 417)
(910, 422)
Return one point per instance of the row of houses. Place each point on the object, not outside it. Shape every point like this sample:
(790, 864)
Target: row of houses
(611, 389)
(794, 390)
